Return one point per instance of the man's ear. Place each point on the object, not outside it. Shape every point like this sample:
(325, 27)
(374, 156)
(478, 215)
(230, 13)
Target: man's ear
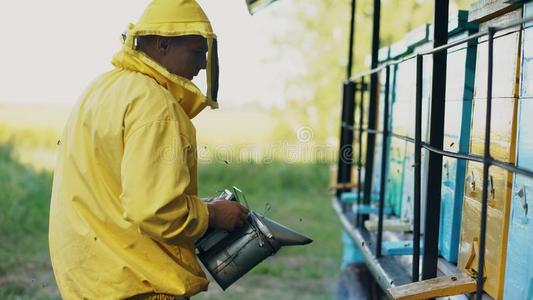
(162, 44)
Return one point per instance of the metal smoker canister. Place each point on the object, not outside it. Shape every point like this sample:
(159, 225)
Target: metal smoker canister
(227, 256)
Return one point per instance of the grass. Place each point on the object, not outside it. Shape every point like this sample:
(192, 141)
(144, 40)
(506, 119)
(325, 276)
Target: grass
(24, 200)
(296, 192)
(298, 199)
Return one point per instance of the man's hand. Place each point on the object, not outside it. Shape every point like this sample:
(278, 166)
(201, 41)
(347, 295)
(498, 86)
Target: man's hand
(226, 215)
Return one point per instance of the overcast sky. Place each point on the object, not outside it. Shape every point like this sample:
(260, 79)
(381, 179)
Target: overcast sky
(52, 49)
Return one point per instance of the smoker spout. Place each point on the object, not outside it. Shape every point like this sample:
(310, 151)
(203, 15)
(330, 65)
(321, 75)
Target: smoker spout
(283, 235)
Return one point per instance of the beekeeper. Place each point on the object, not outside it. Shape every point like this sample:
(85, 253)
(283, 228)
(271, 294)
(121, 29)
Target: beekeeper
(125, 214)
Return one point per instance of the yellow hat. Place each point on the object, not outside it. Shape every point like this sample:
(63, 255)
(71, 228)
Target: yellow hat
(177, 18)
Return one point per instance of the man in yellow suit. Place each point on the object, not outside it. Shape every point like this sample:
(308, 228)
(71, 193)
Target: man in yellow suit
(125, 214)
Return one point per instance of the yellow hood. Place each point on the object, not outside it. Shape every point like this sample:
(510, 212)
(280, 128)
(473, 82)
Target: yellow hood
(173, 18)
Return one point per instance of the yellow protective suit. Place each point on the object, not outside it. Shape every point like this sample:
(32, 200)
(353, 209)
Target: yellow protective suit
(124, 212)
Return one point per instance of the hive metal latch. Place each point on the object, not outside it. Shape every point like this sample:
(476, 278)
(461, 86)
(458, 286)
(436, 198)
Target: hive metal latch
(522, 195)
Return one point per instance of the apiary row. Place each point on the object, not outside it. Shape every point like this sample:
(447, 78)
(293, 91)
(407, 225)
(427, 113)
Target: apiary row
(509, 243)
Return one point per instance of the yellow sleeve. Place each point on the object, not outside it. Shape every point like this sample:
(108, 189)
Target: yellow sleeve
(155, 175)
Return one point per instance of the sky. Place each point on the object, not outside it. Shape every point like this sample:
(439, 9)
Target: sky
(52, 50)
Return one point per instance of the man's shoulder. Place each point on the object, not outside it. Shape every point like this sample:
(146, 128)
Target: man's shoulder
(139, 84)
(143, 99)
(124, 86)
(133, 89)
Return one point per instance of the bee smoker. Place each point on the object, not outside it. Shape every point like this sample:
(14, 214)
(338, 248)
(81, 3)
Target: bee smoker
(227, 256)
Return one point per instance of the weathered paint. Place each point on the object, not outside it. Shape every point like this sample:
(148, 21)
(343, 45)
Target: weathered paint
(399, 248)
(459, 87)
(376, 177)
(394, 186)
(395, 164)
(519, 264)
(417, 40)
(350, 252)
(503, 134)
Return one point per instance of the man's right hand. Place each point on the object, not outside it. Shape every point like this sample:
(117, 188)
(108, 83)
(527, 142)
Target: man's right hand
(226, 214)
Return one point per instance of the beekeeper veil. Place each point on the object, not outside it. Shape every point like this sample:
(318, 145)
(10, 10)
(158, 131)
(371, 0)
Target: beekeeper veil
(173, 18)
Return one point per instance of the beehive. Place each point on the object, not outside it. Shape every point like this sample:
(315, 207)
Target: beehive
(461, 63)
(503, 133)
(519, 264)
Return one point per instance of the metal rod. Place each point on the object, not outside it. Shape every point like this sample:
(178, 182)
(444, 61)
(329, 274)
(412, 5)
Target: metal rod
(479, 159)
(384, 158)
(372, 108)
(346, 126)
(436, 139)
(444, 47)
(383, 66)
(418, 166)
(512, 168)
(345, 163)
(486, 165)
(360, 146)
(454, 43)
(403, 137)
(470, 157)
(344, 167)
(372, 131)
(351, 42)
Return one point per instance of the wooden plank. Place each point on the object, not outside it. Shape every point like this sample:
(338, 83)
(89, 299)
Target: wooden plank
(333, 185)
(483, 10)
(364, 209)
(386, 270)
(394, 225)
(456, 284)
(342, 186)
(396, 248)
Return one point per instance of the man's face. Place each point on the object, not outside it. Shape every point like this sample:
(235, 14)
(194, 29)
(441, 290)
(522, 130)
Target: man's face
(186, 56)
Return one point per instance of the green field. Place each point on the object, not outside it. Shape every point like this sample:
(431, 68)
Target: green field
(296, 192)
(25, 270)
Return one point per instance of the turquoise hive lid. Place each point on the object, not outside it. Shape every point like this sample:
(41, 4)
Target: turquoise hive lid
(417, 37)
(398, 49)
(457, 23)
(384, 54)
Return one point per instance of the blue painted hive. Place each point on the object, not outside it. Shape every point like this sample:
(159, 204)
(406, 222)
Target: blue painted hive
(519, 264)
(459, 92)
(503, 140)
